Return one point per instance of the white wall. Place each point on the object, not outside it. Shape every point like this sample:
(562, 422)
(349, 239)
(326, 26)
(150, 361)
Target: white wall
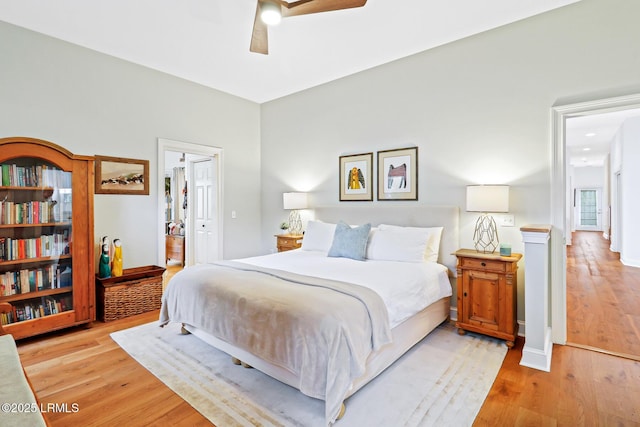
(478, 109)
(589, 177)
(92, 103)
(630, 245)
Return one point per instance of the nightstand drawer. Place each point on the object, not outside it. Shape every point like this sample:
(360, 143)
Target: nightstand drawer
(291, 244)
(483, 264)
(287, 242)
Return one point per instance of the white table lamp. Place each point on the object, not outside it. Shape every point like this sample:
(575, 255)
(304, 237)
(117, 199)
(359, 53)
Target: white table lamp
(485, 199)
(294, 202)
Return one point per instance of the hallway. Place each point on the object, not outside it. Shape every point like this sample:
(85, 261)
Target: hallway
(603, 298)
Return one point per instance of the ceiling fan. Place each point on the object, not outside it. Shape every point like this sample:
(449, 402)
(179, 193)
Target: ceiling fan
(276, 9)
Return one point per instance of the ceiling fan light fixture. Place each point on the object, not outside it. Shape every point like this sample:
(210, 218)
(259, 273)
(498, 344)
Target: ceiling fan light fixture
(270, 13)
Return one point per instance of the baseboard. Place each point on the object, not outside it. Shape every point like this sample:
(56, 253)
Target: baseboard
(521, 328)
(630, 262)
(538, 358)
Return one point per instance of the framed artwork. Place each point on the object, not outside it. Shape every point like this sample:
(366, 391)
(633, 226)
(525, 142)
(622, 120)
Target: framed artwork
(117, 175)
(398, 174)
(356, 177)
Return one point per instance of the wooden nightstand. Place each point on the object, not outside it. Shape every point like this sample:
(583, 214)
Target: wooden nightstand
(487, 294)
(286, 242)
(174, 248)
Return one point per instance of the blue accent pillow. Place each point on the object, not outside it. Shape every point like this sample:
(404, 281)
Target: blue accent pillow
(350, 242)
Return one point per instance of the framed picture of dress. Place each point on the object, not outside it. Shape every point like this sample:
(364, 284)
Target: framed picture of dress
(356, 177)
(398, 174)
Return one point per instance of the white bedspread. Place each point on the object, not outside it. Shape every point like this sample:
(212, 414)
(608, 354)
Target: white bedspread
(406, 288)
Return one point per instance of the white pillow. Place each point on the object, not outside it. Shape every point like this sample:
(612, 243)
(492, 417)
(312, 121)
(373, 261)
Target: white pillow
(318, 236)
(433, 244)
(408, 244)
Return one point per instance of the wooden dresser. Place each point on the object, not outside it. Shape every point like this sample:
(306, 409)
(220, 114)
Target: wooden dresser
(286, 242)
(174, 247)
(487, 294)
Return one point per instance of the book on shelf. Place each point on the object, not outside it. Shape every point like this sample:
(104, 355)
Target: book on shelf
(33, 212)
(14, 175)
(5, 175)
(37, 308)
(46, 245)
(36, 279)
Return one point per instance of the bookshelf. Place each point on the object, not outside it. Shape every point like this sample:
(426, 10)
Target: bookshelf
(46, 237)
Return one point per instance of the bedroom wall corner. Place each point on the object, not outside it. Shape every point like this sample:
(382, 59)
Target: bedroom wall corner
(91, 103)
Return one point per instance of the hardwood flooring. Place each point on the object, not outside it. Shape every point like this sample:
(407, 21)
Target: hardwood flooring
(603, 297)
(86, 367)
(584, 388)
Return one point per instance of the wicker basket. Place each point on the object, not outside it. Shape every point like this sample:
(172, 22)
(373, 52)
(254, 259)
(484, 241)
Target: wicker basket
(137, 291)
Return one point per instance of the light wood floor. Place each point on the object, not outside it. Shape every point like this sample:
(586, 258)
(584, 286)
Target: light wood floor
(85, 366)
(603, 297)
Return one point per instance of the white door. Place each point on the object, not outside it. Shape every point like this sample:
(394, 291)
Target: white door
(589, 210)
(205, 211)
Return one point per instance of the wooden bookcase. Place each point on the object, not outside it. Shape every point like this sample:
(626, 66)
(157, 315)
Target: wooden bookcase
(46, 237)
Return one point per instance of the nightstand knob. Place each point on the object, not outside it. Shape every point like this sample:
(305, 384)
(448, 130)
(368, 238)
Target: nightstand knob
(484, 264)
(465, 294)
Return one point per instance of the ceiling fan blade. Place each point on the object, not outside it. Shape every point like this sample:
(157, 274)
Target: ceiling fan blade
(305, 7)
(259, 36)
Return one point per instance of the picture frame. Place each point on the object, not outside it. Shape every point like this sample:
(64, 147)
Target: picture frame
(356, 177)
(398, 174)
(119, 175)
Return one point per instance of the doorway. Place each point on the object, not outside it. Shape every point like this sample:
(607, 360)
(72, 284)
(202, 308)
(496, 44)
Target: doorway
(561, 196)
(192, 153)
(588, 203)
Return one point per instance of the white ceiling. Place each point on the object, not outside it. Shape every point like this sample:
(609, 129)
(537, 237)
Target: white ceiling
(207, 41)
(588, 138)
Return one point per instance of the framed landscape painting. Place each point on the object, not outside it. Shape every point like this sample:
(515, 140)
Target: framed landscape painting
(118, 175)
(398, 174)
(356, 177)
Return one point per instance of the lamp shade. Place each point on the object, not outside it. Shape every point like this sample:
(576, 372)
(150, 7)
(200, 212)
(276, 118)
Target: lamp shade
(294, 200)
(487, 198)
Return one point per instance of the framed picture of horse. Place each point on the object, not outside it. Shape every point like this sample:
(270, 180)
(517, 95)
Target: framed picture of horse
(398, 174)
(118, 175)
(356, 178)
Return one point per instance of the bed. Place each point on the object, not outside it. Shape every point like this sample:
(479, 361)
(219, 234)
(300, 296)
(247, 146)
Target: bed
(327, 318)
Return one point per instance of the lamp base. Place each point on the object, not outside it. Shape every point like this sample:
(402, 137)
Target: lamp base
(295, 223)
(485, 237)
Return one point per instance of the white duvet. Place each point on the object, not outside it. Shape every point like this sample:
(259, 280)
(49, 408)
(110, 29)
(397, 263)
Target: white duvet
(405, 287)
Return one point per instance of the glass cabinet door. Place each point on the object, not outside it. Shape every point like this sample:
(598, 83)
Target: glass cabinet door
(36, 250)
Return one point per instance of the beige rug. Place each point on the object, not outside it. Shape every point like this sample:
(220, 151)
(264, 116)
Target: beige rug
(442, 381)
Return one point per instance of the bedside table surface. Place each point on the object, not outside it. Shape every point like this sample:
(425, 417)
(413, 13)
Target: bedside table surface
(472, 253)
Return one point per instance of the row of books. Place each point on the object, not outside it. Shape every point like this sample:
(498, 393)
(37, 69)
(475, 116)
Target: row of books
(34, 212)
(36, 279)
(36, 247)
(34, 176)
(36, 308)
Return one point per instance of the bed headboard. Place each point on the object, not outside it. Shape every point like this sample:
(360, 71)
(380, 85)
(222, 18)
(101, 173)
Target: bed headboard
(402, 214)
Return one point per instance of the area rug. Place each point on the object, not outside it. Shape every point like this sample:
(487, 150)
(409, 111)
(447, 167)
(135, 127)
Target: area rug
(442, 381)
